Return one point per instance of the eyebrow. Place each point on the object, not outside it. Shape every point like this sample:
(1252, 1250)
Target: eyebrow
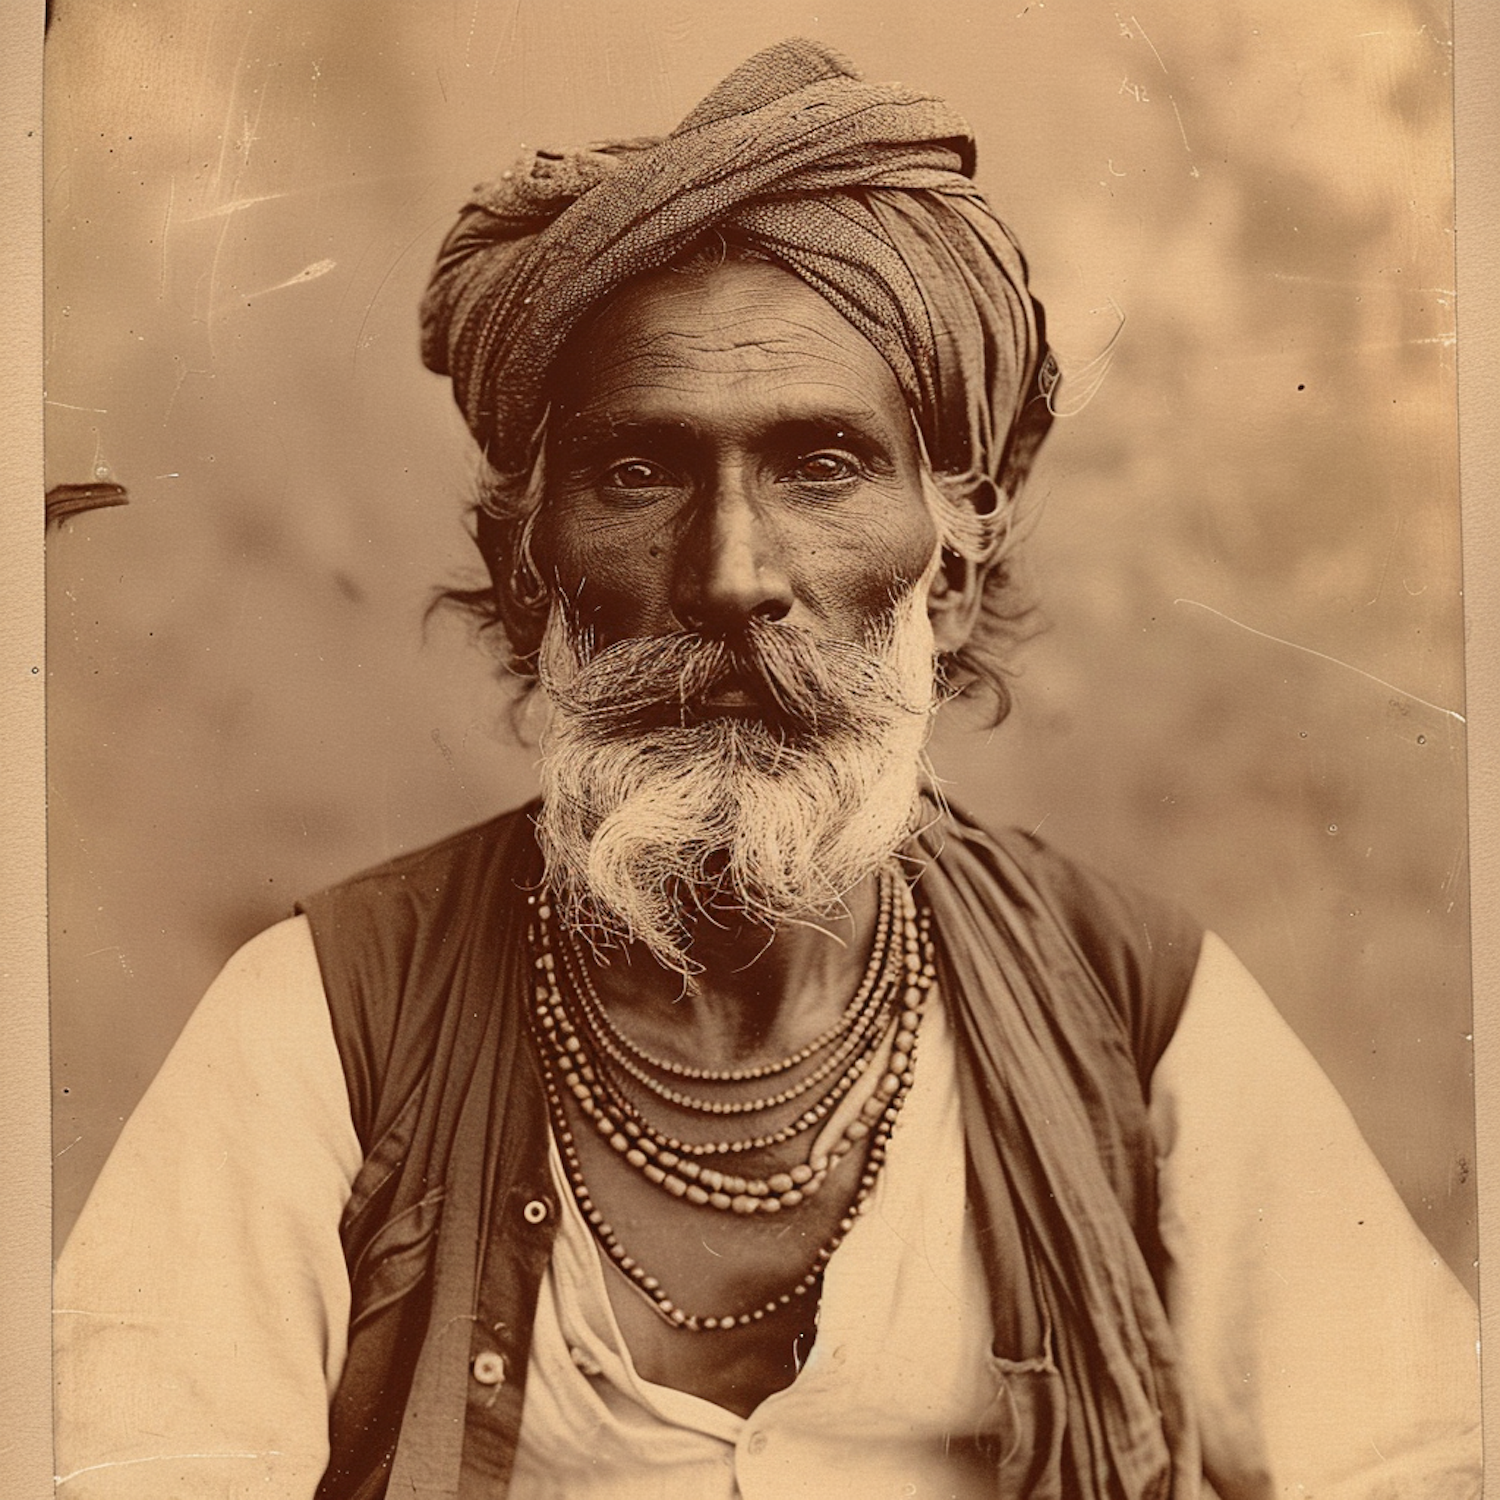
(587, 433)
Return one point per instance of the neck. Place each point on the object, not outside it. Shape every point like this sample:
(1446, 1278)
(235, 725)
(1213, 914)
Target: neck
(757, 991)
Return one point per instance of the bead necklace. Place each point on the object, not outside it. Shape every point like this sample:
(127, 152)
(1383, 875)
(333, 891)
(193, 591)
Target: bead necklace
(859, 1036)
(667, 1161)
(629, 1119)
(648, 1285)
(657, 1157)
(681, 1177)
(881, 979)
(594, 1008)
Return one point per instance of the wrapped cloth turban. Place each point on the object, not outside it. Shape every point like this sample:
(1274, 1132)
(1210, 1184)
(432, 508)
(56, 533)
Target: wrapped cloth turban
(865, 191)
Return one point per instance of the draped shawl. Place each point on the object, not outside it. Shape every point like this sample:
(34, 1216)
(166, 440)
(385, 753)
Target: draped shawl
(865, 191)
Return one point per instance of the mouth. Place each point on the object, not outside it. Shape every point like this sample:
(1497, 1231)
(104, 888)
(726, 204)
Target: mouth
(691, 683)
(728, 700)
(730, 704)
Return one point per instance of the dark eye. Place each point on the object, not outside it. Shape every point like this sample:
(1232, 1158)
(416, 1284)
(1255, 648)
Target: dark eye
(823, 468)
(636, 474)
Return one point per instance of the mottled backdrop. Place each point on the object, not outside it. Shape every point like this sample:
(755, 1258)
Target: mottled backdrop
(1245, 542)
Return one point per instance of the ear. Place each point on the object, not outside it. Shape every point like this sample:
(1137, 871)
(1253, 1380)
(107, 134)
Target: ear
(953, 600)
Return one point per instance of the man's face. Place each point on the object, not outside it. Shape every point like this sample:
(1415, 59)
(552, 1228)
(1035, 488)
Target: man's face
(740, 657)
(725, 447)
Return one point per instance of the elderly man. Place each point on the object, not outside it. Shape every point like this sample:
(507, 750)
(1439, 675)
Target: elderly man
(739, 1120)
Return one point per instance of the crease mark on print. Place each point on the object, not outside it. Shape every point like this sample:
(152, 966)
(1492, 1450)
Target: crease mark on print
(1266, 635)
(121, 1463)
(307, 273)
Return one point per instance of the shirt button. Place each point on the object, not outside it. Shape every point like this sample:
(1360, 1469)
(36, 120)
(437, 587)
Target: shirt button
(535, 1211)
(757, 1443)
(489, 1368)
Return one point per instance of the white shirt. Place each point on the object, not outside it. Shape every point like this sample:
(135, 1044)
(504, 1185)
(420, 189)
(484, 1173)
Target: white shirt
(896, 1386)
(202, 1299)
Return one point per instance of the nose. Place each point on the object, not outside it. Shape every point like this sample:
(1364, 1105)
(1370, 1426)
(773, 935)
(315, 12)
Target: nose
(730, 567)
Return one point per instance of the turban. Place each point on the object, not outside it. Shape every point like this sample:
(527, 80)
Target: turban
(865, 191)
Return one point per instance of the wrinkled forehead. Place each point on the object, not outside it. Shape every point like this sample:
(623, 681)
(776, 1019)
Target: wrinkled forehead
(697, 337)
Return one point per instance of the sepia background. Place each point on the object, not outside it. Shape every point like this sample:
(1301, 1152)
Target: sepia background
(1245, 535)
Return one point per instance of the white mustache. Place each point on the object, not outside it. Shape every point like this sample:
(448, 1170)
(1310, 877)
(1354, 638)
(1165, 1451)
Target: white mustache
(798, 684)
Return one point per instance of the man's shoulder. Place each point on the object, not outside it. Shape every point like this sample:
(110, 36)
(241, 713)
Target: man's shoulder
(372, 927)
(396, 942)
(1142, 948)
(427, 873)
(1080, 894)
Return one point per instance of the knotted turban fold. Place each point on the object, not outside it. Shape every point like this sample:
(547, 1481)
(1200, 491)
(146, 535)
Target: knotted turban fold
(863, 190)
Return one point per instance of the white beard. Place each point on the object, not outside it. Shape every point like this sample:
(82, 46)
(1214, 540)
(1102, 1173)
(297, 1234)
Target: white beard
(645, 826)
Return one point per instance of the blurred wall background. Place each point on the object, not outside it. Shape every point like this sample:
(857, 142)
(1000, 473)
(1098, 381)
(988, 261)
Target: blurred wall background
(1246, 540)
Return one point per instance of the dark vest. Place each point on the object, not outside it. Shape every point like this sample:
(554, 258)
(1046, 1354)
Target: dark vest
(1063, 990)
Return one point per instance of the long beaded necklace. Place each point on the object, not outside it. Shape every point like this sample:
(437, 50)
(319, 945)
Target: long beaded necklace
(651, 1287)
(661, 1158)
(624, 1114)
(704, 1187)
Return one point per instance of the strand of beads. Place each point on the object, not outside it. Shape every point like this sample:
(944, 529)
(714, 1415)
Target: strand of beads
(867, 1022)
(634, 1124)
(662, 1161)
(593, 1008)
(659, 1157)
(682, 1177)
(600, 1084)
(650, 1285)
